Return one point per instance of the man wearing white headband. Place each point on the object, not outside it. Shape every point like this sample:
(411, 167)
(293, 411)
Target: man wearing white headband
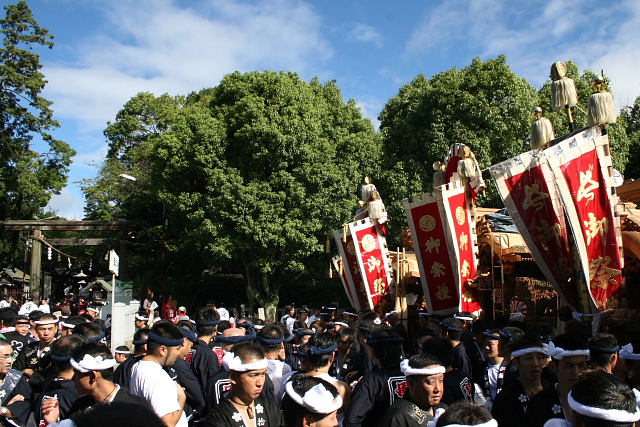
(93, 367)
(513, 403)
(425, 382)
(37, 361)
(568, 354)
(599, 399)
(630, 361)
(150, 381)
(310, 401)
(466, 414)
(245, 405)
(141, 319)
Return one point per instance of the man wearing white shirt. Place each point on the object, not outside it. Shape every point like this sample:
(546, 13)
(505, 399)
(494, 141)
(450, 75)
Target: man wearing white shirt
(150, 381)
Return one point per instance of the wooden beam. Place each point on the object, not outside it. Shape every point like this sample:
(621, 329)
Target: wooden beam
(80, 242)
(44, 225)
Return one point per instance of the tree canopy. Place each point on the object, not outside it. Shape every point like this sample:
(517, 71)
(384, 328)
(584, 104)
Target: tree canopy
(28, 178)
(255, 172)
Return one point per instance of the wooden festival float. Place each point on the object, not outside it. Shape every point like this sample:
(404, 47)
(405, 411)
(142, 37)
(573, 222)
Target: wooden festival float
(557, 243)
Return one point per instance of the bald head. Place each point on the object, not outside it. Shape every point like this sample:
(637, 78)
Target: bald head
(231, 332)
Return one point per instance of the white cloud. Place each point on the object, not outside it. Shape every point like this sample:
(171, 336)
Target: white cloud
(68, 204)
(158, 47)
(534, 35)
(365, 33)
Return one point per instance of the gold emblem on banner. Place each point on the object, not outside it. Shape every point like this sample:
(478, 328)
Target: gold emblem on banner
(600, 274)
(443, 293)
(437, 269)
(427, 223)
(373, 263)
(534, 197)
(548, 232)
(465, 271)
(464, 242)
(587, 186)
(461, 215)
(378, 286)
(368, 242)
(432, 244)
(595, 227)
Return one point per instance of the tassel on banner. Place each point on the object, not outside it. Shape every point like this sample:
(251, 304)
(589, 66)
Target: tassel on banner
(330, 272)
(541, 130)
(327, 246)
(345, 228)
(601, 109)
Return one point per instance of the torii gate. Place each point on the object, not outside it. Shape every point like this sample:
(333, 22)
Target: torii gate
(38, 226)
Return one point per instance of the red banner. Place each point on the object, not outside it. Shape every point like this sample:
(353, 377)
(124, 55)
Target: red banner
(351, 269)
(428, 232)
(373, 259)
(526, 186)
(462, 235)
(581, 167)
(337, 264)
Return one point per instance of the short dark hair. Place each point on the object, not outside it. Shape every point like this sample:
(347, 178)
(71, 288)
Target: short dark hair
(292, 411)
(389, 354)
(119, 413)
(526, 341)
(206, 314)
(571, 341)
(602, 347)
(87, 330)
(450, 325)
(9, 316)
(464, 413)
(345, 333)
(140, 335)
(46, 316)
(165, 329)
(271, 331)
(62, 349)
(441, 348)
(599, 389)
(247, 351)
(322, 340)
(94, 349)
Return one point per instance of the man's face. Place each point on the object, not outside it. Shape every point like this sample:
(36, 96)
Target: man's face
(344, 344)
(568, 369)
(248, 384)
(172, 353)
(530, 366)
(303, 316)
(120, 357)
(83, 382)
(22, 329)
(426, 390)
(140, 324)
(185, 349)
(6, 358)
(46, 333)
(491, 347)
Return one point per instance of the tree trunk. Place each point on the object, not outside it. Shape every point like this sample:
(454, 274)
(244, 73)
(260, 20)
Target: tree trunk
(251, 290)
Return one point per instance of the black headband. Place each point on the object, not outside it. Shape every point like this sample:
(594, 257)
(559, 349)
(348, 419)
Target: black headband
(169, 342)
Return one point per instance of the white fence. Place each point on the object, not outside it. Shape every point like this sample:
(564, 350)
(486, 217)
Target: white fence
(123, 323)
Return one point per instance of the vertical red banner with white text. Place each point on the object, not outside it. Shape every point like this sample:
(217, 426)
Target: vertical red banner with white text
(437, 272)
(375, 266)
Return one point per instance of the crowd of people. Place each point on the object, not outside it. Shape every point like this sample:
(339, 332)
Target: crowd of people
(326, 368)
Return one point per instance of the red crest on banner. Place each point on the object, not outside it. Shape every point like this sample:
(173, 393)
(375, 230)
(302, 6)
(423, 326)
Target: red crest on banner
(526, 186)
(430, 243)
(351, 269)
(373, 259)
(581, 166)
(337, 264)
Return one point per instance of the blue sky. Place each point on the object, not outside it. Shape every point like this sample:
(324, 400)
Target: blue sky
(107, 51)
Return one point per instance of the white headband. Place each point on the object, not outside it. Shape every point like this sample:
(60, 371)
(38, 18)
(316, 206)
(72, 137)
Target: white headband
(138, 317)
(560, 353)
(340, 322)
(123, 351)
(232, 362)
(617, 415)
(529, 350)
(465, 318)
(390, 313)
(422, 313)
(90, 363)
(626, 352)
(408, 370)
(46, 322)
(317, 399)
(67, 325)
(93, 309)
(349, 313)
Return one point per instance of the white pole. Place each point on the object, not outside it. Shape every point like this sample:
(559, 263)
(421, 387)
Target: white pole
(113, 307)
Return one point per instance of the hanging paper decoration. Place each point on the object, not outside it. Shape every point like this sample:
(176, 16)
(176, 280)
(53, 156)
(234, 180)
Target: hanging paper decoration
(49, 253)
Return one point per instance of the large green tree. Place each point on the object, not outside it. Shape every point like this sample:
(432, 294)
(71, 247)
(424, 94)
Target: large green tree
(254, 173)
(28, 178)
(484, 105)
